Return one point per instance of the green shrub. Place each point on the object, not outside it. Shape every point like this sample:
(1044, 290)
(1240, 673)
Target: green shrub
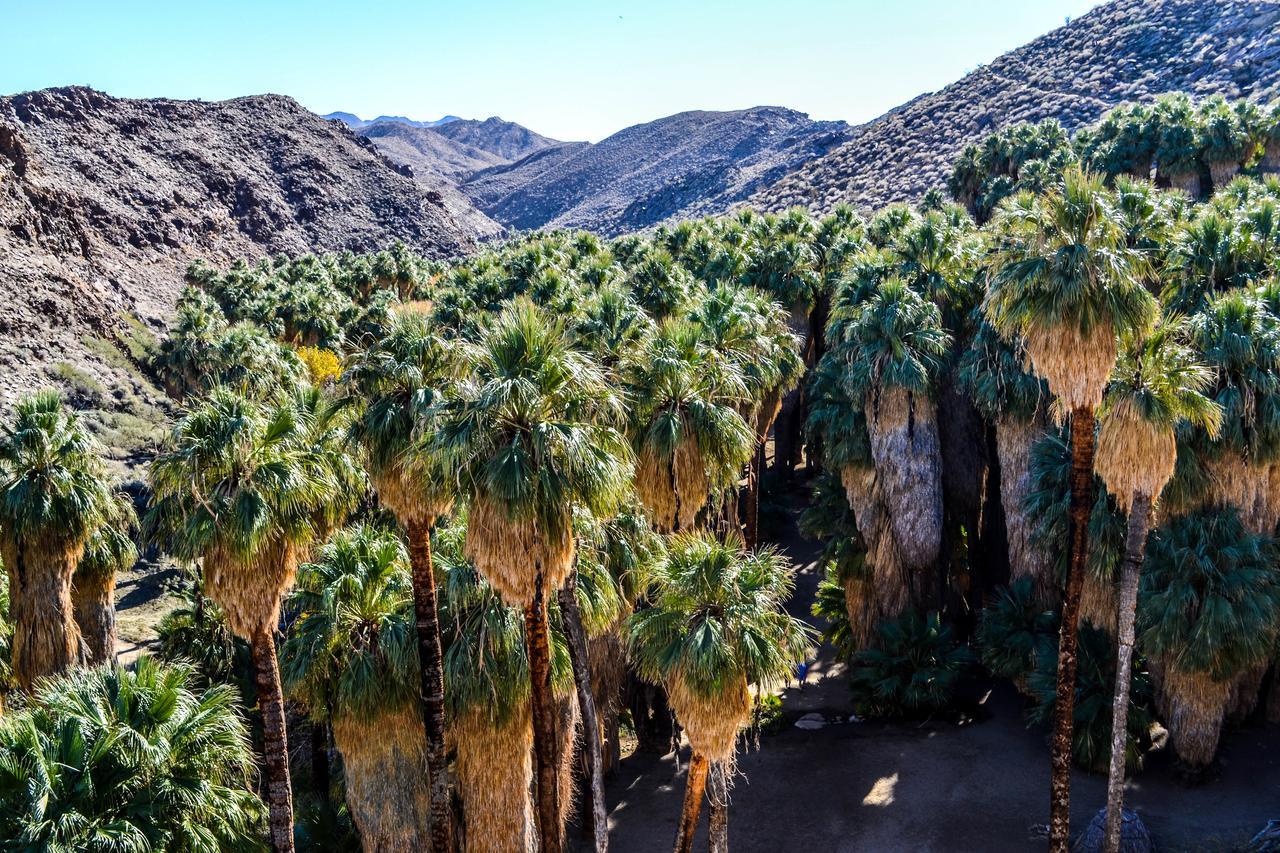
(1095, 692)
(1014, 628)
(912, 671)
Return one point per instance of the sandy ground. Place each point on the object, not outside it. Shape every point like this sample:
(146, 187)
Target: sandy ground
(144, 594)
(983, 786)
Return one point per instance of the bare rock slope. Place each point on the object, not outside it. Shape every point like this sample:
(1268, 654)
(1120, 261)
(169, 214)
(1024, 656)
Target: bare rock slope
(683, 165)
(1125, 50)
(104, 201)
(455, 150)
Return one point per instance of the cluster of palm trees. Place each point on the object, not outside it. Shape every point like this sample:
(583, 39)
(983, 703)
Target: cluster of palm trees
(482, 502)
(1197, 147)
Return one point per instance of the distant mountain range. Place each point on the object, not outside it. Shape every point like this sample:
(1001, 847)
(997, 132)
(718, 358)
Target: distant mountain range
(355, 122)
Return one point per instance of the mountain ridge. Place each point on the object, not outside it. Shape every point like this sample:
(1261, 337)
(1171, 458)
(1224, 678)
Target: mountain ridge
(1119, 51)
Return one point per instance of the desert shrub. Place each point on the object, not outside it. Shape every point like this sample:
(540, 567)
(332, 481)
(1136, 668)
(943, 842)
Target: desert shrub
(323, 364)
(912, 670)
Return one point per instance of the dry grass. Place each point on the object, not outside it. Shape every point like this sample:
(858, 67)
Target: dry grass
(1014, 439)
(1099, 604)
(509, 552)
(1252, 487)
(711, 724)
(1076, 366)
(249, 592)
(495, 773)
(1193, 705)
(1133, 455)
(673, 492)
(385, 766)
(400, 492)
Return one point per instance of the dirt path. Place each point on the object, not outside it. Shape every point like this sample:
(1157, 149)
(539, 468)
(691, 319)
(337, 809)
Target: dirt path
(858, 786)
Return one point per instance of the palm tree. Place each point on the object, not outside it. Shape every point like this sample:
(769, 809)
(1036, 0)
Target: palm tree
(1176, 131)
(196, 330)
(488, 700)
(239, 488)
(715, 626)
(686, 426)
(399, 381)
(351, 658)
(1224, 139)
(1209, 607)
(113, 759)
(110, 550)
(533, 437)
(994, 373)
(891, 346)
(1159, 386)
(749, 331)
(53, 496)
(1067, 285)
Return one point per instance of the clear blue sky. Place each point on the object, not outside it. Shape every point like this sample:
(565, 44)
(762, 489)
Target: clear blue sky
(568, 69)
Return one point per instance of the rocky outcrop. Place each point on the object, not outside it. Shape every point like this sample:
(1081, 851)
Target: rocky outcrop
(1125, 50)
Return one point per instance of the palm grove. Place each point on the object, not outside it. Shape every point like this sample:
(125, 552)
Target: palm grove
(453, 525)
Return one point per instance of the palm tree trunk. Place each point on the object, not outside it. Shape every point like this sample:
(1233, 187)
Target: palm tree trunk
(1134, 549)
(544, 724)
(431, 658)
(695, 787)
(718, 818)
(95, 609)
(752, 527)
(1082, 447)
(598, 816)
(275, 739)
(46, 639)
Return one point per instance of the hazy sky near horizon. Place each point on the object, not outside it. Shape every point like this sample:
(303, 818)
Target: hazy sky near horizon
(570, 69)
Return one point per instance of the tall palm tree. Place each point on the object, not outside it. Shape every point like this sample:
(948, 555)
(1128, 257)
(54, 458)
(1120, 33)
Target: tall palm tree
(114, 759)
(1067, 285)
(351, 657)
(892, 346)
(686, 426)
(239, 489)
(53, 496)
(399, 381)
(532, 437)
(1158, 387)
(994, 373)
(716, 625)
(749, 330)
(488, 700)
(110, 550)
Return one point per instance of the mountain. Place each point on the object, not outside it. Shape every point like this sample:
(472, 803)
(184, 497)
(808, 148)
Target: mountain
(1125, 50)
(104, 201)
(356, 123)
(505, 139)
(683, 165)
(456, 149)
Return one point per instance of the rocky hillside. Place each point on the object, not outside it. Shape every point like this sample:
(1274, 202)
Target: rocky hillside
(1125, 50)
(683, 165)
(104, 202)
(504, 139)
(455, 149)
